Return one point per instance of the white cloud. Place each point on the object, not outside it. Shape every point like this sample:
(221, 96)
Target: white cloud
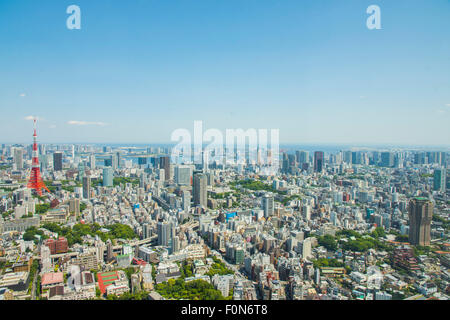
(86, 123)
(52, 126)
(448, 104)
(31, 118)
(22, 95)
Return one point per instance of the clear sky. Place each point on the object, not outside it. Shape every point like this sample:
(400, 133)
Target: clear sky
(137, 70)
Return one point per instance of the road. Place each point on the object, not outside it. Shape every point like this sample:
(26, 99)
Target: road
(33, 288)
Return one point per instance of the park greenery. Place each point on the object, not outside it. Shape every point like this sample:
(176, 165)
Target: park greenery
(328, 241)
(142, 295)
(78, 231)
(192, 290)
(222, 195)
(255, 185)
(218, 267)
(31, 233)
(445, 222)
(122, 180)
(324, 262)
(42, 208)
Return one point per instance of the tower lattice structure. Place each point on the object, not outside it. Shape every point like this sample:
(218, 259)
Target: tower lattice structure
(36, 183)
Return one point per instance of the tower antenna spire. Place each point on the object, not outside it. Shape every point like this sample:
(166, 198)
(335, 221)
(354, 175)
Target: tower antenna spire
(36, 183)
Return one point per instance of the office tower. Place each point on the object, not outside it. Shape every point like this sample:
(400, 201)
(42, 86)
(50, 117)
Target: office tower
(175, 244)
(267, 205)
(115, 160)
(86, 187)
(318, 161)
(57, 161)
(146, 231)
(162, 175)
(186, 200)
(35, 182)
(387, 159)
(164, 230)
(92, 164)
(74, 206)
(285, 163)
(302, 157)
(347, 157)
(306, 212)
(18, 158)
(439, 180)
(142, 180)
(420, 216)
(164, 163)
(109, 250)
(200, 192)
(108, 179)
(306, 248)
(142, 161)
(183, 175)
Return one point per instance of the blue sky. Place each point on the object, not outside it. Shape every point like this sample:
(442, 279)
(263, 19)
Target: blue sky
(137, 70)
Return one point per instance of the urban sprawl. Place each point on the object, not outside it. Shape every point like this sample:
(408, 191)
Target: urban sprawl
(124, 222)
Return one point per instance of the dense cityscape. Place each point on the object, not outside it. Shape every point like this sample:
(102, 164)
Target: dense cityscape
(125, 222)
(224, 159)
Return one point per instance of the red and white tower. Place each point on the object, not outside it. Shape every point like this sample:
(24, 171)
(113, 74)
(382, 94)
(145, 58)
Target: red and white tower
(36, 181)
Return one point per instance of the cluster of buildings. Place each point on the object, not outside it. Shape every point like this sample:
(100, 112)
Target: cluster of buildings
(333, 225)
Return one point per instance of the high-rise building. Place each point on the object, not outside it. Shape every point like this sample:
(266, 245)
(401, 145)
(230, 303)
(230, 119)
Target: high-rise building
(74, 206)
(18, 158)
(183, 175)
(164, 230)
(186, 200)
(387, 159)
(318, 161)
(164, 163)
(267, 205)
(57, 161)
(108, 178)
(302, 157)
(420, 216)
(439, 180)
(200, 192)
(92, 164)
(86, 187)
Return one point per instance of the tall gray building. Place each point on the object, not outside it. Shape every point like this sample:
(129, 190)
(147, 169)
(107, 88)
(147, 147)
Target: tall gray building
(57, 161)
(18, 158)
(439, 181)
(200, 192)
(267, 205)
(420, 216)
(86, 187)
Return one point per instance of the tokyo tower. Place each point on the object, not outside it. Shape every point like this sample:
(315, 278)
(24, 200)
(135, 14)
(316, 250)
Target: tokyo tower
(36, 181)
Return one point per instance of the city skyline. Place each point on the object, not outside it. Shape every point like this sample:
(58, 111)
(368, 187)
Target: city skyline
(135, 73)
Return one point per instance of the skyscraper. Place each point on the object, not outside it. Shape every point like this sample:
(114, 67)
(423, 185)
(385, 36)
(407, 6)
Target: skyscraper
(108, 179)
(186, 200)
(86, 187)
(200, 192)
(18, 158)
(387, 159)
(439, 180)
(164, 230)
(57, 161)
(164, 163)
(92, 161)
(183, 175)
(267, 205)
(318, 161)
(420, 216)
